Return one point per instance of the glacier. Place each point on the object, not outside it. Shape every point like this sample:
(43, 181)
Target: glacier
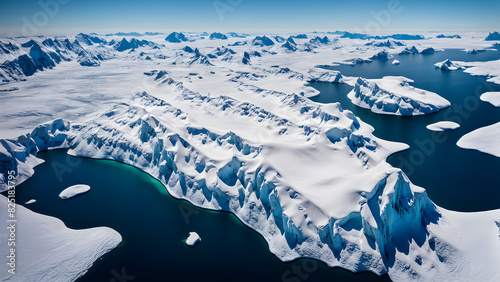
(219, 122)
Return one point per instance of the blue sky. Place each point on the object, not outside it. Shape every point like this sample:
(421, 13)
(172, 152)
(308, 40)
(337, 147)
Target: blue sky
(53, 17)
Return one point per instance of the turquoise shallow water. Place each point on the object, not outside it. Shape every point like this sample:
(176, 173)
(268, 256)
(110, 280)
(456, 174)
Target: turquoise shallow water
(154, 226)
(457, 179)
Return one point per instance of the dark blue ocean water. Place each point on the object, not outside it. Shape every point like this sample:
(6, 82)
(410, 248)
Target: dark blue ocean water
(154, 226)
(456, 179)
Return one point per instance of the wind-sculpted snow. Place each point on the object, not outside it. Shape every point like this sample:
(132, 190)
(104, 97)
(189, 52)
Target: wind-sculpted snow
(395, 96)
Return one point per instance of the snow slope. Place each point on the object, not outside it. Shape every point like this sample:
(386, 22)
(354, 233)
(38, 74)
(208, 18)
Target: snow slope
(443, 125)
(46, 250)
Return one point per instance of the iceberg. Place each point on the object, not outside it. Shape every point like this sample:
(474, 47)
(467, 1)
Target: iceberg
(73, 191)
(393, 95)
(428, 51)
(493, 36)
(32, 201)
(193, 239)
(484, 139)
(448, 65)
(492, 98)
(395, 62)
(443, 125)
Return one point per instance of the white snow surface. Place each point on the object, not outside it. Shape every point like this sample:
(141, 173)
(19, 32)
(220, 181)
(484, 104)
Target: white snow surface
(490, 69)
(448, 65)
(192, 239)
(443, 125)
(73, 191)
(234, 131)
(393, 95)
(484, 139)
(491, 97)
(46, 250)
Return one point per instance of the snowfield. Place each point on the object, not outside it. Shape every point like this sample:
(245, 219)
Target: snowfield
(73, 191)
(226, 124)
(46, 250)
(395, 96)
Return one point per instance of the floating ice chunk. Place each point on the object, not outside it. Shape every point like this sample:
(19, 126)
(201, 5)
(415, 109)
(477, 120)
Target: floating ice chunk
(32, 201)
(484, 139)
(395, 62)
(443, 125)
(448, 65)
(193, 239)
(393, 95)
(492, 98)
(50, 251)
(74, 191)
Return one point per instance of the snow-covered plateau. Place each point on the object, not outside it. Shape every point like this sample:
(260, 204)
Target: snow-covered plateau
(226, 124)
